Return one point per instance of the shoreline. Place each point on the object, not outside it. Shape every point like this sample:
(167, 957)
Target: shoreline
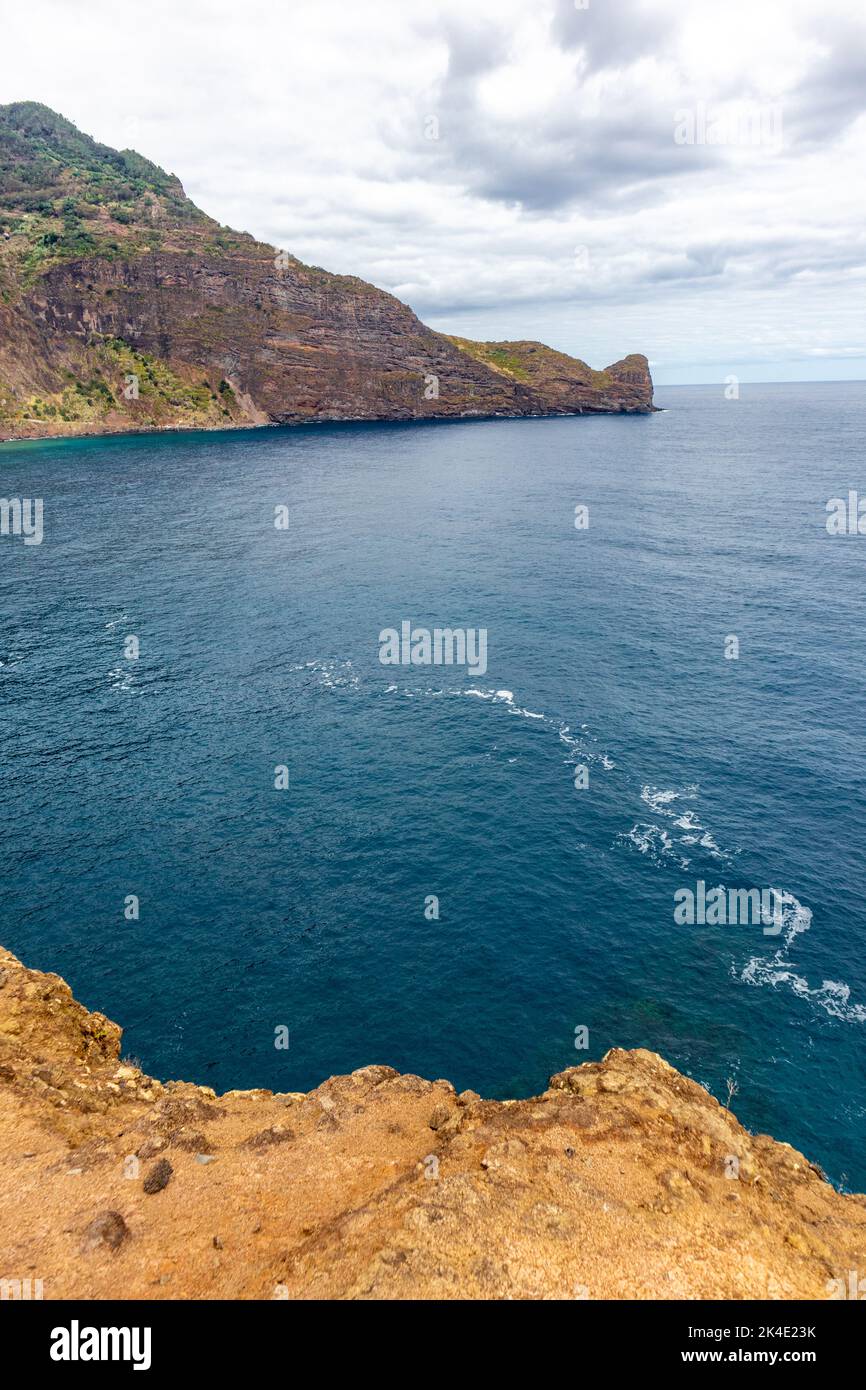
(468, 417)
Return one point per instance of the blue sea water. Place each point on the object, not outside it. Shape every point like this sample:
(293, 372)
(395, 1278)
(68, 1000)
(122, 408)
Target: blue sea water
(306, 907)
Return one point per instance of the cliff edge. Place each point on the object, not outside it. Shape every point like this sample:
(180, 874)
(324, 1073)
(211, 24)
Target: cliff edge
(623, 1180)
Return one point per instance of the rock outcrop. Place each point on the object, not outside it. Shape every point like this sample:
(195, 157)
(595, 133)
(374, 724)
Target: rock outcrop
(123, 306)
(623, 1179)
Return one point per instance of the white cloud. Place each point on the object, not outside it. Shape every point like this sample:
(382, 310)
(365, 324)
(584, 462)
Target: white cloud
(307, 125)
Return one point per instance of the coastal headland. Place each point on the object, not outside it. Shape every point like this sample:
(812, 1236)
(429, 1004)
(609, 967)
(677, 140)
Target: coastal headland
(125, 308)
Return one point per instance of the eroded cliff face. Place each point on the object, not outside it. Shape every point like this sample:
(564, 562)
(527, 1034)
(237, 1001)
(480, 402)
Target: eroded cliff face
(123, 306)
(614, 1183)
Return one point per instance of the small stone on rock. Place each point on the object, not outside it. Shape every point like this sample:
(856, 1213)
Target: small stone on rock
(158, 1177)
(108, 1229)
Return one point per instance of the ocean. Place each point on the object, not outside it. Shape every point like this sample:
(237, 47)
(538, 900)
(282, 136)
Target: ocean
(272, 857)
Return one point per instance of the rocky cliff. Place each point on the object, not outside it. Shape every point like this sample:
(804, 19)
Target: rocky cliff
(123, 306)
(623, 1179)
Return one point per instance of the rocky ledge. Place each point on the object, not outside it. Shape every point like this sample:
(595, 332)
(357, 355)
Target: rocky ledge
(623, 1179)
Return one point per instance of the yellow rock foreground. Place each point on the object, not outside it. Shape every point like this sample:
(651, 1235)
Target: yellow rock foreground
(612, 1184)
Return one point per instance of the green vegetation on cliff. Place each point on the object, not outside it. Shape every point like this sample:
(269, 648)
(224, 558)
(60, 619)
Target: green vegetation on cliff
(64, 196)
(124, 381)
(529, 362)
(46, 164)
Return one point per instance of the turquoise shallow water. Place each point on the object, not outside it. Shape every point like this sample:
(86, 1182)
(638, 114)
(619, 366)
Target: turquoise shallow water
(305, 908)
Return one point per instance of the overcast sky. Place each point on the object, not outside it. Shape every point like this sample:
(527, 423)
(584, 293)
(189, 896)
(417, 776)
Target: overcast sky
(683, 179)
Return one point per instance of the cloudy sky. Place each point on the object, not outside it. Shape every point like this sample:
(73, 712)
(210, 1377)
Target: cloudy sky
(680, 178)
